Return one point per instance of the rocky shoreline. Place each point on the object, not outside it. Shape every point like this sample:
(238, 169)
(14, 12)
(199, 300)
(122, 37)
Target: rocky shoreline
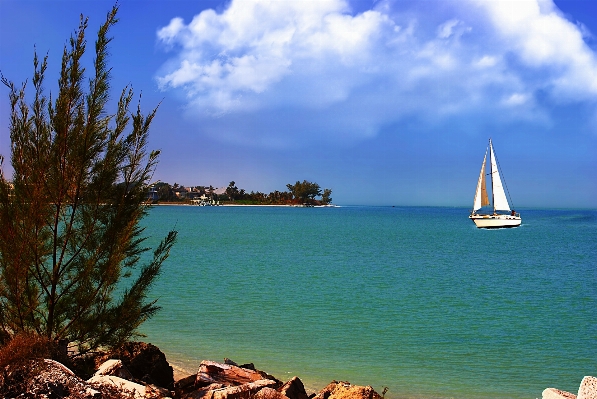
(141, 371)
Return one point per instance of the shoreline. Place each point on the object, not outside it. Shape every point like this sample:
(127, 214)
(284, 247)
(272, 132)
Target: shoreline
(588, 385)
(247, 205)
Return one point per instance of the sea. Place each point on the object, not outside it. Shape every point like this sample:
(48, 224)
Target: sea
(414, 301)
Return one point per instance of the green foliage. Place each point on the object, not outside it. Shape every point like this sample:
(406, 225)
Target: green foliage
(70, 218)
(326, 197)
(232, 191)
(305, 191)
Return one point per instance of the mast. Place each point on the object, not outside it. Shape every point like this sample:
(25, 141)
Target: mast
(491, 174)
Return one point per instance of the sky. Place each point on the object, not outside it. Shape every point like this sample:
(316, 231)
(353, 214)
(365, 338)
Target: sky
(384, 102)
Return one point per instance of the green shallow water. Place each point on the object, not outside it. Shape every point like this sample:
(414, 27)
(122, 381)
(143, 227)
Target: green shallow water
(414, 299)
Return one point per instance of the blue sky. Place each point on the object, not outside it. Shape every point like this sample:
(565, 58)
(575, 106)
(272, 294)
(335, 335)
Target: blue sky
(384, 102)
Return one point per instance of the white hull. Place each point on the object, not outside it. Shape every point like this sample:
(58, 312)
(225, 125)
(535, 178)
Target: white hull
(495, 221)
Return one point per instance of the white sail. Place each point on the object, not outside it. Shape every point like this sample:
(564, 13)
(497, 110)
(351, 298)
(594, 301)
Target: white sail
(481, 198)
(500, 202)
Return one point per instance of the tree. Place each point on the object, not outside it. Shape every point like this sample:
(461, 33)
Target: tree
(232, 190)
(305, 191)
(326, 197)
(71, 247)
(164, 192)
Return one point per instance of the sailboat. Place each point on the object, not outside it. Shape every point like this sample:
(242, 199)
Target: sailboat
(500, 202)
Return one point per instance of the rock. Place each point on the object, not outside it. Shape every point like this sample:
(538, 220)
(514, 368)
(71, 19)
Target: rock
(53, 379)
(129, 388)
(229, 381)
(345, 390)
(146, 362)
(552, 393)
(114, 367)
(230, 362)
(152, 391)
(212, 372)
(201, 392)
(240, 391)
(588, 388)
(137, 391)
(185, 382)
(294, 389)
(269, 393)
(86, 365)
(49, 379)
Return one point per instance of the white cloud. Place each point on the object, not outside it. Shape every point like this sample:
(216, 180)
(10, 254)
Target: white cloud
(314, 70)
(168, 33)
(539, 34)
(486, 61)
(446, 29)
(516, 99)
(232, 55)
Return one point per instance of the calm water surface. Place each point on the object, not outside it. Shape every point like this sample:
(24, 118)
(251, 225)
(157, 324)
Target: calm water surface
(414, 299)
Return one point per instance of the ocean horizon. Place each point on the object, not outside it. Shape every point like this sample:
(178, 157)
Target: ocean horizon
(415, 299)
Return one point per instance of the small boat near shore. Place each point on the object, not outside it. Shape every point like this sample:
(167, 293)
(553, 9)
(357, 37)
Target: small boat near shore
(499, 201)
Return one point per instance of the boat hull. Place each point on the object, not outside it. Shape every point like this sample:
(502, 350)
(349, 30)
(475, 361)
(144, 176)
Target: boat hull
(495, 221)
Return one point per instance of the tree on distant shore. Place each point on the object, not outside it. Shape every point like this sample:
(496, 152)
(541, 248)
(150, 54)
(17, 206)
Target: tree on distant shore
(326, 197)
(232, 191)
(71, 247)
(305, 191)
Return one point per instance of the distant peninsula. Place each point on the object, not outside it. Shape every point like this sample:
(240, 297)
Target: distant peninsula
(303, 193)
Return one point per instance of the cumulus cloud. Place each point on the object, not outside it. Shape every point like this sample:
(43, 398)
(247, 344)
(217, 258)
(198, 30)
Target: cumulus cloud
(538, 33)
(227, 59)
(271, 72)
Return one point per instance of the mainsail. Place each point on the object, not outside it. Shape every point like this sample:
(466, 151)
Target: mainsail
(481, 198)
(500, 202)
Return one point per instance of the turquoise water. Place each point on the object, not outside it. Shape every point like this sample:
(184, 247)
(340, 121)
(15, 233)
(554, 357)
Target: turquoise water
(414, 299)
